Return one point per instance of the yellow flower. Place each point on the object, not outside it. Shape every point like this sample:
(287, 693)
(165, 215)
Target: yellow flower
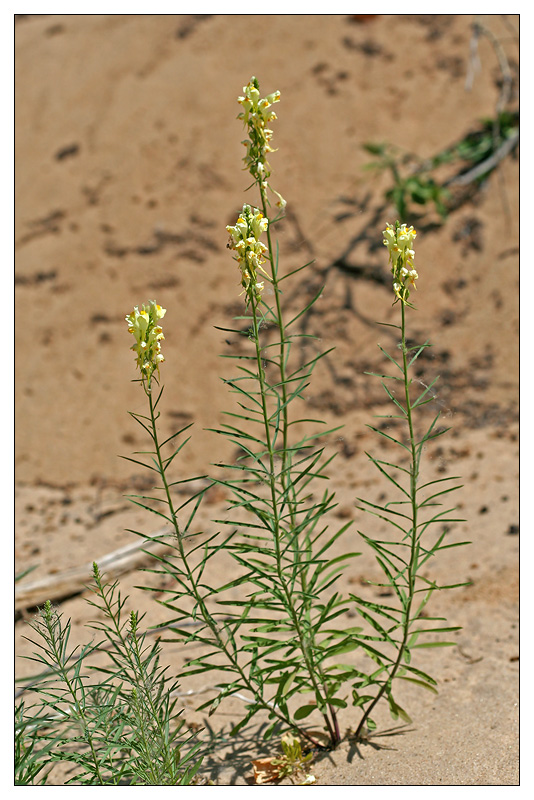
(257, 112)
(148, 336)
(245, 240)
(399, 240)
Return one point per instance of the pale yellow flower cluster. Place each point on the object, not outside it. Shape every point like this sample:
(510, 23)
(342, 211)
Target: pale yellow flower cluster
(148, 335)
(399, 240)
(245, 240)
(257, 112)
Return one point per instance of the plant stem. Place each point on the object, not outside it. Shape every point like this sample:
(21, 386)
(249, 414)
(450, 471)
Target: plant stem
(285, 477)
(412, 564)
(283, 357)
(128, 650)
(63, 672)
(208, 619)
(277, 531)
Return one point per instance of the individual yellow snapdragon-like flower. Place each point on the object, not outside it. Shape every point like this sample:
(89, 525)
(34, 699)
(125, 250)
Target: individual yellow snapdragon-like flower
(257, 112)
(245, 240)
(399, 240)
(148, 334)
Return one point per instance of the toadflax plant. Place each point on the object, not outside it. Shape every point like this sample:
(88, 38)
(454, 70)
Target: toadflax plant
(273, 631)
(414, 514)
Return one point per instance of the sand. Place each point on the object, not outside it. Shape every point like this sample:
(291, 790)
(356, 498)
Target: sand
(128, 169)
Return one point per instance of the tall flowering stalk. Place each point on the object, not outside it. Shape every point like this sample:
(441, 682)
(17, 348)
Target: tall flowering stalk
(144, 326)
(257, 112)
(402, 558)
(295, 570)
(148, 335)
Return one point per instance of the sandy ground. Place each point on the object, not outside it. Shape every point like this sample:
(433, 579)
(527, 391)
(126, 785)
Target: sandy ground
(128, 169)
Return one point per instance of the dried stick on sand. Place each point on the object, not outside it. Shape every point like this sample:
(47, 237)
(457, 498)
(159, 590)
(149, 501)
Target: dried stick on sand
(65, 584)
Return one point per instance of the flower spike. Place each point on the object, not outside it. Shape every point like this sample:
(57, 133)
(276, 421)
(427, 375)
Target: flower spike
(245, 240)
(399, 240)
(148, 336)
(257, 113)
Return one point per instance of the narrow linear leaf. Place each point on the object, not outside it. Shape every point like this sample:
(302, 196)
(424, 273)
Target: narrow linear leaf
(435, 644)
(419, 683)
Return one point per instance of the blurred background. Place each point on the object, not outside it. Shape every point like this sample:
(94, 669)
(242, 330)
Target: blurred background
(128, 169)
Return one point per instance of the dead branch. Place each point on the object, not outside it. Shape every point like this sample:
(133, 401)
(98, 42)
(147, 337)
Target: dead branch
(73, 581)
(485, 166)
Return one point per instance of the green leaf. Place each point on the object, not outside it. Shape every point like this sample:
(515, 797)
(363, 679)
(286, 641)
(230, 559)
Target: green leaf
(335, 634)
(304, 711)
(420, 674)
(418, 683)
(378, 465)
(377, 626)
(360, 700)
(306, 308)
(395, 401)
(381, 375)
(337, 650)
(139, 463)
(386, 436)
(437, 630)
(435, 644)
(393, 361)
(286, 685)
(377, 608)
(376, 655)
(414, 358)
(338, 559)
(337, 702)
(294, 271)
(428, 500)
(419, 400)
(396, 711)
